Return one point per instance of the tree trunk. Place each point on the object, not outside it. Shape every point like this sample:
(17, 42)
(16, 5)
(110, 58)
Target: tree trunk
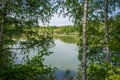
(106, 32)
(2, 28)
(84, 40)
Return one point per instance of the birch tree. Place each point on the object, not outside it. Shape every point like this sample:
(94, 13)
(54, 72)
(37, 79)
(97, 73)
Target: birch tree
(21, 13)
(106, 31)
(84, 40)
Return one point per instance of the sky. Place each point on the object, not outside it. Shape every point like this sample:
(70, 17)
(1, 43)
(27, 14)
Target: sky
(58, 21)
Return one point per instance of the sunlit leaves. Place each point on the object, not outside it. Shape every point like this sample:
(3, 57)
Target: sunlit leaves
(103, 72)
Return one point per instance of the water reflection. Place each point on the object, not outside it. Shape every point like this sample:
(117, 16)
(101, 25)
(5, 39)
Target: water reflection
(37, 59)
(68, 39)
(33, 67)
(64, 57)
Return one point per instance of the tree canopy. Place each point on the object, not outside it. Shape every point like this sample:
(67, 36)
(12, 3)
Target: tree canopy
(19, 24)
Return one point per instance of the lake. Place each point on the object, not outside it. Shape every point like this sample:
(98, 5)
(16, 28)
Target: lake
(64, 57)
(57, 56)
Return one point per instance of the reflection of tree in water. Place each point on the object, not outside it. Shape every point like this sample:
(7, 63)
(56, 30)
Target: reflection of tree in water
(33, 68)
(68, 39)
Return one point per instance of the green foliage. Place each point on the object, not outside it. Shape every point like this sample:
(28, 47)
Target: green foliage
(68, 38)
(114, 74)
(32, 68)
(21, 16)
(27, 72)
(103, 72)
(66, 30)
(21, 27)
(62, 30)
(97, 69)
(96, 72)
(73, 9)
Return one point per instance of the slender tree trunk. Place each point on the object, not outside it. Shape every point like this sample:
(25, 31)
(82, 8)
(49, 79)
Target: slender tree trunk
(84, 40)
(2, 28)
(106, 32)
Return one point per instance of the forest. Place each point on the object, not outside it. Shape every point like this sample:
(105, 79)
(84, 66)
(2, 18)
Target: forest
(96, 32)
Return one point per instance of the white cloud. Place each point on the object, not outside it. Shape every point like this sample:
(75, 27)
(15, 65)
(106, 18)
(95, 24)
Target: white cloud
(58, 21)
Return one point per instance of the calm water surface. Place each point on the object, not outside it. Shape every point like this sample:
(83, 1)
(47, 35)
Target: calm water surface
(64, 57)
